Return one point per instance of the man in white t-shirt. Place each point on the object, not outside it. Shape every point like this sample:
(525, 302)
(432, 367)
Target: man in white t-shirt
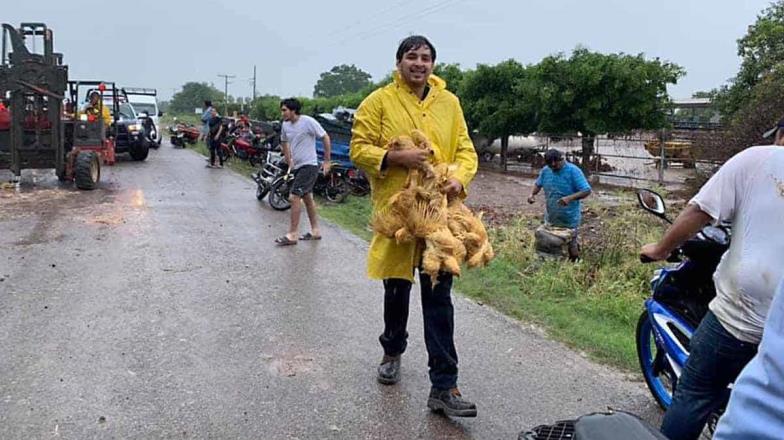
(748, 192)
(298, 136)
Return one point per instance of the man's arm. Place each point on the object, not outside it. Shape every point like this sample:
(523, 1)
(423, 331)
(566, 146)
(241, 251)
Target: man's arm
(327, 152)
(534, 192)
(576, 196)
(284, 147)
(688, 223)
(465, 158)
(365, 136)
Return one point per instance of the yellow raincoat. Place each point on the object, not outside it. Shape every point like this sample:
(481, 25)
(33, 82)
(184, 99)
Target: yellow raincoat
(395, 110)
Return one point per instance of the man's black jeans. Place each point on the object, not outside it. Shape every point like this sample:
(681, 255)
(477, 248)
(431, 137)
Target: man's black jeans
(439, 325)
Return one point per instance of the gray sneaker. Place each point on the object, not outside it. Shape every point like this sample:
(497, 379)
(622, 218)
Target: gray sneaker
(389, 370)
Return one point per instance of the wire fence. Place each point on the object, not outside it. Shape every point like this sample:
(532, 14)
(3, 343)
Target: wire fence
(667, 157)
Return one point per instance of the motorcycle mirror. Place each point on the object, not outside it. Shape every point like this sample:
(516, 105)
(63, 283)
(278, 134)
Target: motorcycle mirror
(160, 114)
(652, 202)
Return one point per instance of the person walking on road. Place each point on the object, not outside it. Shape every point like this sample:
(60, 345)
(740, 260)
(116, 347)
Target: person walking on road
(416, 99)
(298, 136)
(564, 186)
(214, 133)
(205, 121)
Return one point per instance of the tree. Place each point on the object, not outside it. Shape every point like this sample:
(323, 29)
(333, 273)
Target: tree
(341, 80)
(498, 102)
(452, 74)
(762, 52)
(594, 93)
(192, 96)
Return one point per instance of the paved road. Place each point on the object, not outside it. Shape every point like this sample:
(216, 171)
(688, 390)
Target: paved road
(158, 307)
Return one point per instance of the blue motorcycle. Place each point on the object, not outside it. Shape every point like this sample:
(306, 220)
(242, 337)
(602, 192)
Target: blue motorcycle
(679, 301)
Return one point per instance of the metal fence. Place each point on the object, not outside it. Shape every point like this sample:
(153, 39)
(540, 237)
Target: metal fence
(664, 157)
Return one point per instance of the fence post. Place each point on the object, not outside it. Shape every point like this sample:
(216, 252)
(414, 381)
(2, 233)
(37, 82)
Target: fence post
(662, 158)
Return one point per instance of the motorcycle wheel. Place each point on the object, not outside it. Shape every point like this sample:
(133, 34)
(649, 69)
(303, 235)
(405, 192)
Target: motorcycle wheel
(279, 195)
(336, 189)
(261, 191)
(659, 374)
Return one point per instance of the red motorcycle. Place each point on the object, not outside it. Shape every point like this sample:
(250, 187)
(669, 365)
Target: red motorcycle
(181, 133)
(248, 145)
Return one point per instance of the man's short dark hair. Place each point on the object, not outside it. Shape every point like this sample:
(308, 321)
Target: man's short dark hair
(292, 104)
(552, 156)
(414, 42)
(208, 103)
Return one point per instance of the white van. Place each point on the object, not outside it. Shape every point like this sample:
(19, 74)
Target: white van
(146, 100)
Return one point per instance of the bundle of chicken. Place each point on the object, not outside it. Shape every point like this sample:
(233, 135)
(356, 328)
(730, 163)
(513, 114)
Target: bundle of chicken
(451, 232)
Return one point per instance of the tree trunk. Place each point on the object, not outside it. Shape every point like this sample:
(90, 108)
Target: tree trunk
(504, 149)
(588, 140)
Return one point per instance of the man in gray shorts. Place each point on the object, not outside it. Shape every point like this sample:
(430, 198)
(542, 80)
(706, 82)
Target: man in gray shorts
(298, 141)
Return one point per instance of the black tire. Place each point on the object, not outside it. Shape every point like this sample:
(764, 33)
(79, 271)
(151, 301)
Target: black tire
(487, 156)
(644, 338)
(262, 189)
(140, 150)
(336, 189)
(279, 195)
(87, 170)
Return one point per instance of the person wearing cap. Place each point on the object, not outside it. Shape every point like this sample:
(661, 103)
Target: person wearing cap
(95, 109)
(748, 193)
(564, 186)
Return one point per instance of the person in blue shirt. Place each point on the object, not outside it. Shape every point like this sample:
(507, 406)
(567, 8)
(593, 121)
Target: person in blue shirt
(564, 186)
(756, 407)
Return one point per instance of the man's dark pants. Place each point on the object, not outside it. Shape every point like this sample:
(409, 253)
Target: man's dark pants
(438, 320)
(214, 147)
(715, 360)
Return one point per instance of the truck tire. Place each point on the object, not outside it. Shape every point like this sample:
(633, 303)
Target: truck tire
(87, 170)
(140, 150)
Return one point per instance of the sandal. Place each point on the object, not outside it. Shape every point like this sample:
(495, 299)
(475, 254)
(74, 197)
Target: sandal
(309, 236)
(285, 241)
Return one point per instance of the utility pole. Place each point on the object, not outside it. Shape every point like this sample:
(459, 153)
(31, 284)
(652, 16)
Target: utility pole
(226, 92)
(254, 82)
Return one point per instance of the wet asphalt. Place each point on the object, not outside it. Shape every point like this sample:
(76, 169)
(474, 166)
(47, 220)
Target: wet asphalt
(157, 306)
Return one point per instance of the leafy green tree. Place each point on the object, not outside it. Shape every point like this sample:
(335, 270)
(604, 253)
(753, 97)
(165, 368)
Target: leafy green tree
(594, 93)
(762, 52)
(192, 96)
(341, 80)
(452, 74)
(498, 101)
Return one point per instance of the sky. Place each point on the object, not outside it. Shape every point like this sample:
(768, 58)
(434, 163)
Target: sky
(164, 44)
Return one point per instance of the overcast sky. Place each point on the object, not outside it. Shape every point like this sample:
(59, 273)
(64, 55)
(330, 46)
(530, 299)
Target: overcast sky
(165, 43)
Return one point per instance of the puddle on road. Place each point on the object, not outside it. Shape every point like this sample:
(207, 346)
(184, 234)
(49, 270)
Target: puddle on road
(288, 365)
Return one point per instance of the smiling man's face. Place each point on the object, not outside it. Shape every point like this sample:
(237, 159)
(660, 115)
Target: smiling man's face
(416, 66)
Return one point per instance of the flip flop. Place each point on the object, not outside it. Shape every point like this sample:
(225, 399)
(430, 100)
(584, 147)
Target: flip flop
(309, 236)
(284, 241)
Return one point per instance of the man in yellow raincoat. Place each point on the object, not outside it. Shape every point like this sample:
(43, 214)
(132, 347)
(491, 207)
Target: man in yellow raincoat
(416, 99)
(95, 109)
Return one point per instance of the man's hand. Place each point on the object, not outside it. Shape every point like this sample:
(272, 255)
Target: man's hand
(408, 158)
(563, 201)
(654, 252)
(325, 167)
(452, 188)
(531, 199)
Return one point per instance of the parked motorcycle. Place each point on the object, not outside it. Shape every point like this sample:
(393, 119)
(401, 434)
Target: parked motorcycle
(272, 167)
(181, 134)
(246, 145)
(358, 182)
(333, 187)
(613, 425)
